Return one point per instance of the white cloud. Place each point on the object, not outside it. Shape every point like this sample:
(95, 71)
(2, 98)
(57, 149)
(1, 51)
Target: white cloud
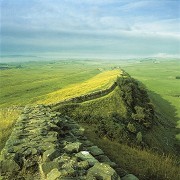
(105, 23)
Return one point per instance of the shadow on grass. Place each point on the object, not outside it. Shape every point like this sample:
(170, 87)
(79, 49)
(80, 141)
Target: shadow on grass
(167, 120)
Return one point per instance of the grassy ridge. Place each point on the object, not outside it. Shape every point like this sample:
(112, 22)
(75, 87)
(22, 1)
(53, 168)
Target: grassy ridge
(92, 110)
(98, 82)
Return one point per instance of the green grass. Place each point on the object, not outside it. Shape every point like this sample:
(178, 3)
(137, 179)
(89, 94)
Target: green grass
(145, 164)
(26, 85)
(164, 88)
(7, 117)
(99, 82)
(102, 107)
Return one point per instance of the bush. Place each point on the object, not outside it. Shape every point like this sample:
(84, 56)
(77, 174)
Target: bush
(131, 128)
(139, 137)
(139, 115)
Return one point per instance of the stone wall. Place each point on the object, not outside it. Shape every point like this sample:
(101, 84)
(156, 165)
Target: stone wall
(46, 145)
(87, 97)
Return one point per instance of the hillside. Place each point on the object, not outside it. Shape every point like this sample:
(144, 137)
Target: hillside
(117, 115)
(126, 115)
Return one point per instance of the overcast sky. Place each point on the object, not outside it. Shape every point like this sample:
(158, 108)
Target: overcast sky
(90, 28)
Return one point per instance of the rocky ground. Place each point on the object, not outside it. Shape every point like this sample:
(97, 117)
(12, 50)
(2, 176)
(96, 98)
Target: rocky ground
(46, 145)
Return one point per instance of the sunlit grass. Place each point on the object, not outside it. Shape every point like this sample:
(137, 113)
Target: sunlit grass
(99, 82)
(34, 80)
(145, 164)
(8, 117)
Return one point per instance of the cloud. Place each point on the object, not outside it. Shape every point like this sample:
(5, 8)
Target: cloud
(114, 26)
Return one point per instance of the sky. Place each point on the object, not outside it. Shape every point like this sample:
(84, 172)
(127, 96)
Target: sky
(90, 28)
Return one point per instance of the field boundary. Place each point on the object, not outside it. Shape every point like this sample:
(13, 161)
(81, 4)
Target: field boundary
(88, 97)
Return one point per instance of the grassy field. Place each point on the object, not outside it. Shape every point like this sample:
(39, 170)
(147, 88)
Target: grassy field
(164, 88)
(46, 82)
(98, 82)
(21, 86)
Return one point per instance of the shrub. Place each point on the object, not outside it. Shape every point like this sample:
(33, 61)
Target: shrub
(139, 137)
(139, 115)
(131, 128)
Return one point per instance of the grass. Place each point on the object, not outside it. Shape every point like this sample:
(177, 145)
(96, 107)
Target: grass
(101, 107)
(27, 84)
(145, 164)
(98, 82)
(8, 117)
(164, 89)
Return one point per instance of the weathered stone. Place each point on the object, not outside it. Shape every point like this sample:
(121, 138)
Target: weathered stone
(48, 166)
(83, 165)
(28, 152)
(106, 160)
(17, 142)
(50, 154)
(67, 172)
(73, 147)
(34, 151)
(11, 150)
(31, 165)
(18, 158)
(58, 140)
(102, 171)
(129, 177)
(46, 146)
(95, 151)
(87, 143)
(121, 172)
(9, 166)
(86, 156)
(50, 138)
(69, 164)
(53, 175)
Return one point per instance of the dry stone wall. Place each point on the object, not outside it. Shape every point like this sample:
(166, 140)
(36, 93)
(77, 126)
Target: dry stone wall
(46, 145)
(87, 97)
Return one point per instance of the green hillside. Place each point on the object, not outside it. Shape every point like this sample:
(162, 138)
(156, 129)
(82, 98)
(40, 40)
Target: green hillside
(125, 122)
(125, 115)
(132, 124)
